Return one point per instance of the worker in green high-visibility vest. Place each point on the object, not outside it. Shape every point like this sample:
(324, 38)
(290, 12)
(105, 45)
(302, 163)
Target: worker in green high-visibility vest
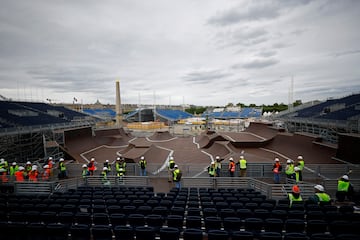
(344, 189)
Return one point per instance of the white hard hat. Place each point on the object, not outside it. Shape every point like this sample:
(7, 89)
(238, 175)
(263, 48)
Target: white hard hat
(241, 157)
(106, 160)
(299, 157)
(277, 160)
(2, 170)
(21, 168)
(231, 159)
(345, 177)
(34, 167)
(171, 158)
(296, 168)
(46, 166)
(319, 187)
(61, 160)
(14, 163)
(142, 157)
(28, 162)
(105, 168)
(50, 158)
(217, 157)
(92, 159)
(288, 161)
(176, 166)
(84, 165)
(212, 162)
(117, 158)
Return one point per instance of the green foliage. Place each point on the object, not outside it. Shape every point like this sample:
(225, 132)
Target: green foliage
(196, 110)
(275, 107)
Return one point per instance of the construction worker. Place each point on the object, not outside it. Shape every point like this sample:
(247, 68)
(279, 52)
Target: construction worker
(289, 169)
(33, 174)
(232, 167)
(28, 167)
(91, 166)
(85, 172)
(177, 176)
(104, 177)
(108, 165)
(13, 169)
(295, 196)
(171, 165)
(217, 166)
(300, 165)
(46, 173)
(243, 166)
(277, 168)
(212, 169)
(3, 175)
(320, 197)
(120, 167)
(20, 174)
(344, 189)
(62, 168)
(50, 163)
(4, 165)
(142, 165)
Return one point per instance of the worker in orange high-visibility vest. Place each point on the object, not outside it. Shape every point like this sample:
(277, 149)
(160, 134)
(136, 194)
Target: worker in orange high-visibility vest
(232, 167)
(3, 175)
(46, 174)
(33, 174)
(20, 174)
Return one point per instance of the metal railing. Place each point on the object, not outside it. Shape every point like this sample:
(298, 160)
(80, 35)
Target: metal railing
(272, 191)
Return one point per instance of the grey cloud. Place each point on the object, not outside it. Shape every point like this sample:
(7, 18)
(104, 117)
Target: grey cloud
(257, 63)
(298, 32)
(345, 53)
(242, 36)
(77, 78)
(205, 76)
(233, 83)
(251, 13)
(281, 45)
(254, 11)
(267, 53)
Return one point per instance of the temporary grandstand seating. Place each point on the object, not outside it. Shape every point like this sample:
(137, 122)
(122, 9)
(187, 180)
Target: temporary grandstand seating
(173, 115)
(102, 113)
(17, 114)
(349, 108)
(57, 111)
(63, 213)
(244, 113)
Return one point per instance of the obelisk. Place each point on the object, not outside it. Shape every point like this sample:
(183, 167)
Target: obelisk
(118, 104)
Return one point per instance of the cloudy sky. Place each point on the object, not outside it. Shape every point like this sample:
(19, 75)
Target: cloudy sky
(202, 52)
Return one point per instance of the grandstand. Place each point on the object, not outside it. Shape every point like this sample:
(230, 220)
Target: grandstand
(150, 115)
(327, 119)
(241, 114)
(27, 129)
(105, 114)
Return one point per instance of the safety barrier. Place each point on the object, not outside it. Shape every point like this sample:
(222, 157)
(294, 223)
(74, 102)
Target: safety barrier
(34, 188)
(274, 191)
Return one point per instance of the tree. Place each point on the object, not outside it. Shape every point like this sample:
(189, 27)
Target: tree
(297, 103)
(229, 105)
(240, 105)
